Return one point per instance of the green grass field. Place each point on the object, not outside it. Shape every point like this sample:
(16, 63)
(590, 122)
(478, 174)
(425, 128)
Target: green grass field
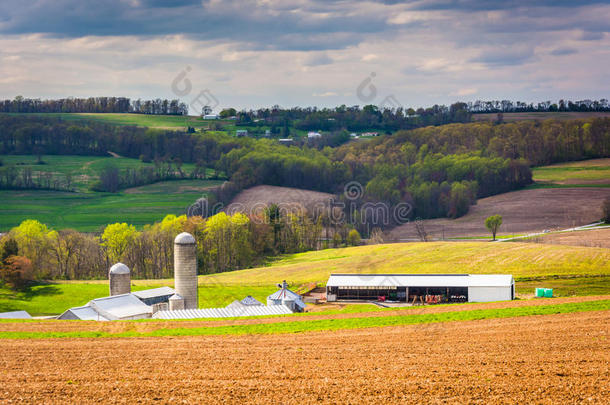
(587, 173)
(568, 270)
(84, 210)
(141, 120)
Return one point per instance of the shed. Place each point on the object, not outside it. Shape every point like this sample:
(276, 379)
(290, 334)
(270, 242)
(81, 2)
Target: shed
(248, 301)
(403, 287)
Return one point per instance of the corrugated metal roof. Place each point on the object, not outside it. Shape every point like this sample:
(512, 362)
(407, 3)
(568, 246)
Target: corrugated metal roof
(250, 310)
(120, 306)
(284, 293)
(250, 300)
(15, 315)
(86, 313)
(154, 292)
(420, 280)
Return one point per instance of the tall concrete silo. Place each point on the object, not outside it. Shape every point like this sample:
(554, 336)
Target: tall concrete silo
(185, 269)
(120, 279)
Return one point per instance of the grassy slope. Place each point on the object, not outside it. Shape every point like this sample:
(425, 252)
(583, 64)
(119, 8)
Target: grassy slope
(568, 269)
(595, 172)
(141, 120)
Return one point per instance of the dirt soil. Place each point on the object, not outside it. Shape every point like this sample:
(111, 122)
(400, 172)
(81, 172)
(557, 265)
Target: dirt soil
(561, 358)
(523, 211)
(257, 198)
(593, 238)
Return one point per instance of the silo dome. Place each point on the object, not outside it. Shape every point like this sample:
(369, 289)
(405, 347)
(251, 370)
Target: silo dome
(185, 238)
(119, 268)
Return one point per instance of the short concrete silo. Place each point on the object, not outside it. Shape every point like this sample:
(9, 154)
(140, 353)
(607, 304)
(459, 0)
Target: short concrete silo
(120, 279)
(185, 269)
(176, 302)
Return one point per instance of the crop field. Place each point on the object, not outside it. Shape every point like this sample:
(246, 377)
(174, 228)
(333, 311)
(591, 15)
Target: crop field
(594, 172)
(528, 116)
(523, 212)
(287, 198)
(552, 358)
(569, 270)
(594, 238)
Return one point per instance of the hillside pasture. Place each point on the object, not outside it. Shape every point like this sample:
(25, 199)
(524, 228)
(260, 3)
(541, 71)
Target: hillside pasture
(586, 172)
(90, 212)
(570, 270)
(523, 212)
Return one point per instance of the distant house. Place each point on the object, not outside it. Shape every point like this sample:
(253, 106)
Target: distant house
(241, 133)
(267, 133)
(285, 141)
(370, 134)
(210, 117)
(313, 134)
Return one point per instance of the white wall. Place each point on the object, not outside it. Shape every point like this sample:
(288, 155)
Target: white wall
(485, 294)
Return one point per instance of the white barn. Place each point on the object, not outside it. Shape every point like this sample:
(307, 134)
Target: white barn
(407, 287)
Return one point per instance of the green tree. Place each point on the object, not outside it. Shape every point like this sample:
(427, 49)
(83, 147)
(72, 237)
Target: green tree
(353, 238)
(117, 238)
(493, 224)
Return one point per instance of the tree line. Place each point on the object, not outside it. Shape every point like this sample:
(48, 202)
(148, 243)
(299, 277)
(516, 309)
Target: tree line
(224, 242)
(496, 106)
(94, 105)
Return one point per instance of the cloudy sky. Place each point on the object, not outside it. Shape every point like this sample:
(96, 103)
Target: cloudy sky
(249, 54)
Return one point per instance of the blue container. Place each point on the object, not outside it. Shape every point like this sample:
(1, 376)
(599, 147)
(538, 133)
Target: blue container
(548, 292)
(540, 292)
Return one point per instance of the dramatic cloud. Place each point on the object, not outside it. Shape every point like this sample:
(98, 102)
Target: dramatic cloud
(299, 52)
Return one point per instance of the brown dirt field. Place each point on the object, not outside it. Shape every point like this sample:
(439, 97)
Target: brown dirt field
(149, 326)
(523, 211)
(528, 116)
(540, 359)
(257, 198)
(593, 238)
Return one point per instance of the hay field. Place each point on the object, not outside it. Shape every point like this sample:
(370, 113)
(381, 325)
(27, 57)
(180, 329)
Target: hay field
(561, 358)
(594, 172)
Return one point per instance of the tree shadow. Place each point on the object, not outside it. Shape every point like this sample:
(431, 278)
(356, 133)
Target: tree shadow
(36, 290)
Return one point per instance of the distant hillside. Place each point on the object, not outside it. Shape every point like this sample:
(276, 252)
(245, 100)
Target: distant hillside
(523, 211)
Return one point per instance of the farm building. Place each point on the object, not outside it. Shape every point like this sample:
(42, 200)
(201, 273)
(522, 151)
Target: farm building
(284, 296)
(248, 301)
(419, 287)
(15, 315)
(241, 133)
(125, 306)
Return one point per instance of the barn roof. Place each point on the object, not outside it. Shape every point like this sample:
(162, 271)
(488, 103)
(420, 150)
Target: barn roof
(248, 310)
(154, 292)
(420, 280)
(15, 315)
(120, 306)
(85, 313)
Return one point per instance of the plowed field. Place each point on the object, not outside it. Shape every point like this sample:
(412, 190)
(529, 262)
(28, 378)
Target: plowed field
(541, 359)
